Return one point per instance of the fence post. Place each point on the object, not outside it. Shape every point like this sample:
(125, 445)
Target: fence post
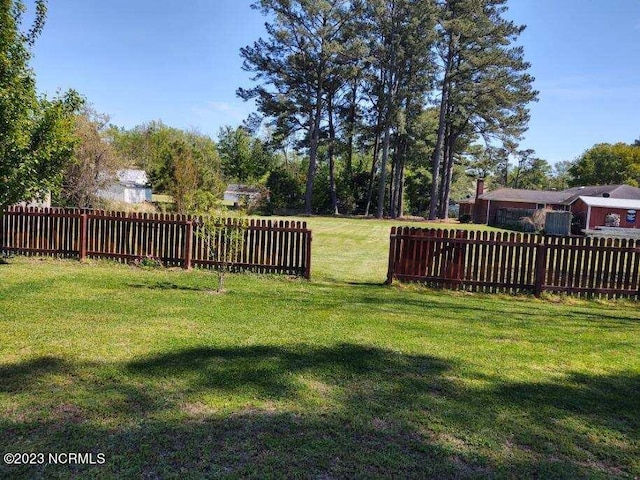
(541, 269)
(83, 240)
(307, 270)
(188, 239)
(392, 255)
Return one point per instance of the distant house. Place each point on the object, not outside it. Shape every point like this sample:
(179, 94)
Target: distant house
(236, 193)
(43, 202)
(590, 204)
(129, 186)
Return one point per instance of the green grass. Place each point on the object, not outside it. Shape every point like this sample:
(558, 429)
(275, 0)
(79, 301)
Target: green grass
(338, 377)
(156, 197)
(357, 249)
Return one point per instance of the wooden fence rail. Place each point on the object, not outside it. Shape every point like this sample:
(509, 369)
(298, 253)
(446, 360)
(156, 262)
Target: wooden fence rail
(514, 262)
(175, 240)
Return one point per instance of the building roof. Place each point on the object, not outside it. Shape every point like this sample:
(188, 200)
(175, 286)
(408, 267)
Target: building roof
(622, 203)
(614, 191)
(133, 178)
(565, 197)
(239, 188)
(524, 196)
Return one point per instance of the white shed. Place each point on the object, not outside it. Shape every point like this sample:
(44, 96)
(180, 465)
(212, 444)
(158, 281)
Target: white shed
(236, 193)
(131, 186)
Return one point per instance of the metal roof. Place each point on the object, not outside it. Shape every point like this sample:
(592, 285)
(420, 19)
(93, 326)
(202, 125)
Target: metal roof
(614, 191)
(622, 203)
(131, 177)
(239, 188)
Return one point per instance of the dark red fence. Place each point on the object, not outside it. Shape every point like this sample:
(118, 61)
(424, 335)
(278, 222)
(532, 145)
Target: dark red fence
(175, 240)
(515, 262)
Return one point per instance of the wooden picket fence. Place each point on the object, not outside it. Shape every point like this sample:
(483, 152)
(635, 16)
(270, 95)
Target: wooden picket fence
(175, 240)
(515, 262)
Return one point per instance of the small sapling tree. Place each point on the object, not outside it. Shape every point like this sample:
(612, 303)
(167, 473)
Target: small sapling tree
(224, 238)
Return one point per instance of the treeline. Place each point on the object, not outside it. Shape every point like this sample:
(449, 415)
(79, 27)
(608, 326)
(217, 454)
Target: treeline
(376, 107)
(195, 170)
(388, 97)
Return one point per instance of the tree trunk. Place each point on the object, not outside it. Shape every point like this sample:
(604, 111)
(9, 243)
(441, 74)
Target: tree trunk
(388, 112)
(332, 163)
(447, 175)
(348, 168)
(383, 169)
(391, 193)
(220, 281)
(374, 163)
(442, 119)
(314, 135)
(401, 197)
(398, 178)
(372, 174)
(399, 181)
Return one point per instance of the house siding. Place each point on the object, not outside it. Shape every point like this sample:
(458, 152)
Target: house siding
(598, 215)
(579, 209)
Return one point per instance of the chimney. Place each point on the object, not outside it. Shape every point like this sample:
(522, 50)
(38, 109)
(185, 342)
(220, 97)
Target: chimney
(479, 187)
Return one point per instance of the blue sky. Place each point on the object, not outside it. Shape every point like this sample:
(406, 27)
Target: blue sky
(178, 61)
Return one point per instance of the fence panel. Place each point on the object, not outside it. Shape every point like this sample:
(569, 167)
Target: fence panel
(176, 240)
(557, 223)
(509, 262)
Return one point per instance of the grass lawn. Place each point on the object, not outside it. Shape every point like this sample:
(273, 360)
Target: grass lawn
(338, 377)
(356, 250)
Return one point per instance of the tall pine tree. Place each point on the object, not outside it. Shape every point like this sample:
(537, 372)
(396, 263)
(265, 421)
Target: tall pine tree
(484, 88)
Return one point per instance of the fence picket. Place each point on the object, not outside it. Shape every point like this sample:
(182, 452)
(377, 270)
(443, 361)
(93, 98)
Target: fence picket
(276, 247)
(481, 261)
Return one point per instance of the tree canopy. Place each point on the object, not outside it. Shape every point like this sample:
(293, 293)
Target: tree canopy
(36, 133)
(94, 163)
(243, 157)
(607, 164)
(347, 79)
(184, 164)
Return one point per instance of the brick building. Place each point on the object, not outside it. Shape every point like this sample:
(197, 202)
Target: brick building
(590, 204)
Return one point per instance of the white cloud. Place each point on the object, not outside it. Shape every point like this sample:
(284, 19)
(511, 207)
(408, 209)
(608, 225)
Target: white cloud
(232, 111)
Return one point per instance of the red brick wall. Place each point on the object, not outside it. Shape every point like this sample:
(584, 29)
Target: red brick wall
(480, 211)
(466, 208)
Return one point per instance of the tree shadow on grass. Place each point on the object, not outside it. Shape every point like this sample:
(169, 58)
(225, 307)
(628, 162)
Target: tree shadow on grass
(166, 286)
(20, 377)
(610, 401)
(306, 411)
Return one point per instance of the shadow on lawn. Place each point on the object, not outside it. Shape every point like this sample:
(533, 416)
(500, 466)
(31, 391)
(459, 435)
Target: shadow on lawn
(167, 286)
(328, 412)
